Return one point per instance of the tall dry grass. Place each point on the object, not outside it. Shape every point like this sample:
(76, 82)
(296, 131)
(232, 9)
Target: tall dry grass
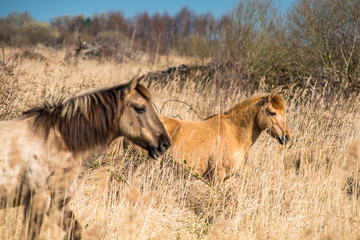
(297, 191)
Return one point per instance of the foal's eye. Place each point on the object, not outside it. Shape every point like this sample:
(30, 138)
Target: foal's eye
(271, 113)
(140, 110)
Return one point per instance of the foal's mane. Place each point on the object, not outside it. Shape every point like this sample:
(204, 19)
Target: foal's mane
(276, 100)
(240, 109)
(84, 121)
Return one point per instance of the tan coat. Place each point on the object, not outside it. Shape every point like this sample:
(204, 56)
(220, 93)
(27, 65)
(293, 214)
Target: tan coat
(217, 147)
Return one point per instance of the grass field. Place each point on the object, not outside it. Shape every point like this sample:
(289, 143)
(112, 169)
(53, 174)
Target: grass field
(297, 191)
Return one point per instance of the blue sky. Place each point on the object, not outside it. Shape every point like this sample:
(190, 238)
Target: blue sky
(44, 10)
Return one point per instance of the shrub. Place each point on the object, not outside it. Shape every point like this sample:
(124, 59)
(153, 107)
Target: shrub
(324, 35)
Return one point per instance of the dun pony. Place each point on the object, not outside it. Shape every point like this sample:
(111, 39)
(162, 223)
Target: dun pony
(44, 154)
(217, 147)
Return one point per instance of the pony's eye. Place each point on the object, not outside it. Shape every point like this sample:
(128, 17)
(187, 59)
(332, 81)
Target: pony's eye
(140, 110)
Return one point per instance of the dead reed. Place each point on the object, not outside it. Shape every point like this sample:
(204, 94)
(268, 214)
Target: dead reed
(297, 191)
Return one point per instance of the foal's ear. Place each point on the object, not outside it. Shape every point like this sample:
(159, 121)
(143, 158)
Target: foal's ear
(271, 96)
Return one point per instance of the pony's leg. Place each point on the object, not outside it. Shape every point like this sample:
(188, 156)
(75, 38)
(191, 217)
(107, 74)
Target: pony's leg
(34, 210)
(70, 225)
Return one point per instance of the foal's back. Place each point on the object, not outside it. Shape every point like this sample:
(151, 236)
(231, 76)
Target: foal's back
(202, 146)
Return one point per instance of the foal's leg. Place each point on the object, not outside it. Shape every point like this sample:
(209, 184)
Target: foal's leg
(34, 210)
(219, 175)
(229, 181)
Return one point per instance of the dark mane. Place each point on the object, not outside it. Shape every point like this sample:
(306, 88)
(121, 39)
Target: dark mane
(83, 121)
(143, 91)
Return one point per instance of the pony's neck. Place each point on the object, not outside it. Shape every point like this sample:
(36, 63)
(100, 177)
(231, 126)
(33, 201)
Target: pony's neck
(84, 122)
(244, 118)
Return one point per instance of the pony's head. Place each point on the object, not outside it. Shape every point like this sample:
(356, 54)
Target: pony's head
(139, 121)
(271, 118)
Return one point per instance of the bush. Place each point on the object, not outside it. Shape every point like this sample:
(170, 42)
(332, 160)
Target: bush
(22, 30)
(254, 38)
(316, 44)
(324, 38)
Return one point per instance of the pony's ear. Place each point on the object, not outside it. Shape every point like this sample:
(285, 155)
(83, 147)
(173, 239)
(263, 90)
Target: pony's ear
(133, 84)
(271, 96)
(130, 86)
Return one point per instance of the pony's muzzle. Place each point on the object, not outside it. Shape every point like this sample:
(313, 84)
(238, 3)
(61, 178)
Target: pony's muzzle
(163, 144)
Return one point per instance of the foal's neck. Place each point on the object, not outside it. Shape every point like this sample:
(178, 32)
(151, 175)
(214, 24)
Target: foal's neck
(244, 118)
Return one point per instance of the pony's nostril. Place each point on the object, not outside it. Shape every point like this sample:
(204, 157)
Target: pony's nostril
(165, 144)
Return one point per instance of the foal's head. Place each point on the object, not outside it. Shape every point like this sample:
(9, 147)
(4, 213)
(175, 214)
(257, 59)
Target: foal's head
(271, 118)
(139, 121)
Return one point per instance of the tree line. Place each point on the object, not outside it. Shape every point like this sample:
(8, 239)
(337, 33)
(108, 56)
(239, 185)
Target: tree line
(157, 32)
(316, 42)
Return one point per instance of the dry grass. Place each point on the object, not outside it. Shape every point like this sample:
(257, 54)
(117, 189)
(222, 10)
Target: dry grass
(292, 192)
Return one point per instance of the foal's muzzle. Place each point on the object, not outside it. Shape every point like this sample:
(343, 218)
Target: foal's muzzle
(284, 139)
(164, 143)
